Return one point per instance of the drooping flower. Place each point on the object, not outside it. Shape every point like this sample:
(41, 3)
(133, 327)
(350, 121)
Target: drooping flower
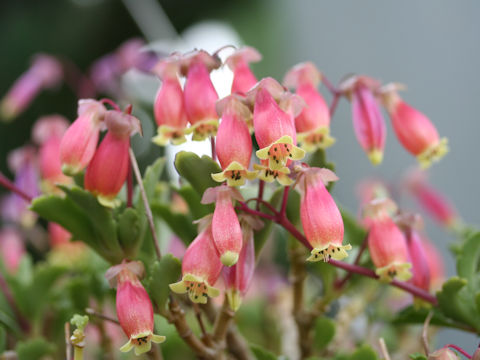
(45, 72)
(368, 121)
(243, 78)
(200, 95)
(321, 220)
(201, 268)
(419, 259)
(134, 308)
(414, 130)
(12, 248)
(169, 106)
(274, 128)
(79, 142)
(226, 230)
(313, 123)
(233, 143)
(108, 169)
(388, 247)
(443, 354)
(238, 277)
(435, 264)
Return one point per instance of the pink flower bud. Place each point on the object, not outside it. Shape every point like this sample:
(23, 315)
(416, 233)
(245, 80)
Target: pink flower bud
(414, 130)
(169, 107)
(234, 144)
(134, 308)
(388, 248)
(200, 97)
(12, 248)
(44, 72)
(321, 220)
(58, 235)
(80, 140)
(418, 258)
(243, 78)
(274, 130)
(368, 122)
(226, 231)
(108, 169)
(443, 354)
(313, 123)
(239, 276)
(201, 268)
(431, 200)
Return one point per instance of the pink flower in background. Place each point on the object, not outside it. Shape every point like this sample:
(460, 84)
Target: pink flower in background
(12, 248)
(107, 171)
(243, 77)
(201, 268)
(436, 264)
(58, 235)
(134, 308)
(321, 219)
(45, 72)
(419, 259)
(313, 123)
(79, 142)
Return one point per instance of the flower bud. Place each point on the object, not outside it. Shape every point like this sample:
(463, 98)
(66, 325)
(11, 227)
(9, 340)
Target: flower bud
(388, 248)
(169, 107)
(414, 130)
(313, 123)
(238, 277)
(443, 354)
(368, 122)
(108, 169)
(243, 78)
(233, 143)
(201, 268)
(226, 231)
(200, 96)
(44, 72)
(134, 308)
(321, 220)
(12, 248)
(274, 130)
(79, 142)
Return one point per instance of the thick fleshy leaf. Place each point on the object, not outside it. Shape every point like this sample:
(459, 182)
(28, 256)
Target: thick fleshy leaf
(197, 170)
(468, 263)
(262, 353)
(180, 224)
(192, 198)
(365, 352)
(34, 349)
(150, 181)
(164, 272)
(324, 332)
(130, 230)
(418, 356)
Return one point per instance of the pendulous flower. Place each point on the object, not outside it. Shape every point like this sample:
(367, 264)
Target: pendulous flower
(243, 77)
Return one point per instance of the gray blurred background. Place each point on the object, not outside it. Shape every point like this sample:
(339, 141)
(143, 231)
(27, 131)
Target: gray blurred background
(431, 45)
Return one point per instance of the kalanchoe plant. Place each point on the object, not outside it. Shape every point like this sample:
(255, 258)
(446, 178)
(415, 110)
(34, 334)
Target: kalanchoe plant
(106, 220)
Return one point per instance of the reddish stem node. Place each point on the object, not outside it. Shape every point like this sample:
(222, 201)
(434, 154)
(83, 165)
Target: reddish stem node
(7, 184)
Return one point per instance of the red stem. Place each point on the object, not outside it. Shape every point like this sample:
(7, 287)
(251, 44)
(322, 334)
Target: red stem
(283, 209)
(459, 349)
(263, 202)
(110, 102)
(283, 221)
(214, 153)
(329, 85)
(261, 187)
(7, 184)
(333, 105)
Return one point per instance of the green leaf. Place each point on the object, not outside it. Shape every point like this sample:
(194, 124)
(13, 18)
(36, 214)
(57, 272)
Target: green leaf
(197, 171)
(261, 353)
(150, 181)
(411, 315)
(324, 332)
(180, 224)
(164, 272)
(365, 352)
(418, 356)
(34, 349)
(130, 231)
(3, 339)
(468, 262)
(9, 323)
(193, 199)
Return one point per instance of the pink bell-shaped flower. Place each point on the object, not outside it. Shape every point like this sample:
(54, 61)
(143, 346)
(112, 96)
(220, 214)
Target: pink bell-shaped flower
(313, 123)
(58, 235)
(226, 230)
(200, 95)
(45, 72)
(48, 132)
(238, 277)
(274, 129)
(108, 169)
(80, 141)
(388, 247)
(321, 220)
(169, 106)
(414, 130)
(243, 78)
(12, 248)
(233, 143)
(435, 264)
(134, 308)
(201, 268)
(419, 259)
